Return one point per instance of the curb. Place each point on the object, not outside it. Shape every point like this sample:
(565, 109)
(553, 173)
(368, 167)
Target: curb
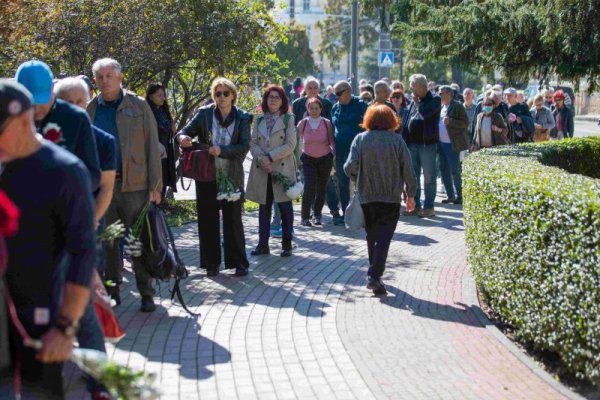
(524, 358)
(590, 117)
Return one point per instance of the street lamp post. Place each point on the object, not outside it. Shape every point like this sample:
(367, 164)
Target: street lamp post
(354, 48)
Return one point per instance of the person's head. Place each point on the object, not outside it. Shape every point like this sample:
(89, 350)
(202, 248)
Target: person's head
(397, 85)
(382, 91)
(108, 76)
(559, 98)
(548, 95)
(343, 92)
(397, 98)
(223, 92)
(89, 83)
(314, 107)
(538, 101)
(37, 78)
(419, 85)
(380, 117)
(156, 94)
(366, 96)
(469, 96)
(520, 96)
(329, 89)
(72, 90)
(431, 86)
(274, 100)
(488, 104)
(455, 87)
(495, 96)
(446, 94)
(16, 120)
(311, 86)
(511, 96)
(297, 83)
(367, 87)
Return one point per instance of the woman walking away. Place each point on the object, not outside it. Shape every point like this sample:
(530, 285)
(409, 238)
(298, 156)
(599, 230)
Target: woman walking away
(224, 130)
(380, 164)
(318, 148)
(272, 147)
(156, 96)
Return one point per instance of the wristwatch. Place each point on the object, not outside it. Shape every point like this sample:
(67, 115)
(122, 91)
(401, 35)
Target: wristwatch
(68, 327)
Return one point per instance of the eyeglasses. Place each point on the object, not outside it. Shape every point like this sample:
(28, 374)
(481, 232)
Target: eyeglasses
(274, 98)
(338, 94)
(396, 97)
(224, 94)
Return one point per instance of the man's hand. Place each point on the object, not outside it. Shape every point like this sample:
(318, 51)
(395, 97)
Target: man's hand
(155, 197)
(185, 141)
(56, 347)
(410, 204)
(215, 151)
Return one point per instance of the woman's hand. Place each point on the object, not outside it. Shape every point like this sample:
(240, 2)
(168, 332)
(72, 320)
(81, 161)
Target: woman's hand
(184, 141)
(215, 151)
(265, 164)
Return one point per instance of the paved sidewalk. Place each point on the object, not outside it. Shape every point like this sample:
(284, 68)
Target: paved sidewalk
(305, 327)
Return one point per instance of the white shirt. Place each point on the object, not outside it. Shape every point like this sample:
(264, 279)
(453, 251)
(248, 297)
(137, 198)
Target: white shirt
(314, 122)
(444, 137)
(486, 131)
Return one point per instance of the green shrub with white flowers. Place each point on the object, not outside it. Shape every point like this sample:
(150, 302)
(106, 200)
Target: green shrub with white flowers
(532, 217)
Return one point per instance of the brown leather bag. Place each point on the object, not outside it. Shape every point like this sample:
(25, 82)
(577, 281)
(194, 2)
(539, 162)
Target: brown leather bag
(198, 165)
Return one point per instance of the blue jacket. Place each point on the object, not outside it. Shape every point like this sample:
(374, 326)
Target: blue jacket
(422, 126)
(346, 120)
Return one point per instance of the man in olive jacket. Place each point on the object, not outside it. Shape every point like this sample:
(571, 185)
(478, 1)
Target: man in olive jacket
(129, 119)
(454, 138)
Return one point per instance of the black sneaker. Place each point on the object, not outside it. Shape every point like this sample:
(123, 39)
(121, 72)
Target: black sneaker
(458, 200)
(286, 253)
(306, 222)
(338, 220)
(113, 291)
(241, 271)
(317, 221)
(376, 286)
(147, 304)
(260, 250)
(449, 200)
(212, 272)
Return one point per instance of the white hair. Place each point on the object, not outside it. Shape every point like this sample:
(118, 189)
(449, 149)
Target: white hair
(468, 90)
(418, 80)
(106, 62)
(312, 79)
(66, 85)
(342, 85)
(382, 84)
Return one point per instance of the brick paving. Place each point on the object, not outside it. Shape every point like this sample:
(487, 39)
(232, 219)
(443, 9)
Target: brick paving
(305, 327)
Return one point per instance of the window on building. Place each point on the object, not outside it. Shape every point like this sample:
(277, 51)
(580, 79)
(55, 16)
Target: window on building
(306, 4)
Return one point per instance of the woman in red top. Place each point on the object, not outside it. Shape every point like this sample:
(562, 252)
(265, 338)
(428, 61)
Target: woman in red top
(318, 148)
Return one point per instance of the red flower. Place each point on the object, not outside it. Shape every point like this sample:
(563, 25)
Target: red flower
(53, 135)
(9, 216)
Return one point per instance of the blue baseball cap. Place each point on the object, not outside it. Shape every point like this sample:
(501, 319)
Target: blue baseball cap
(37, 77)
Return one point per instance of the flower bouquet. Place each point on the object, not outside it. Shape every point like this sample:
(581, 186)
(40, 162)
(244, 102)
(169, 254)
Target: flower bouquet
(226, 189)
(133, 244)
(292, 190)
(112, 232)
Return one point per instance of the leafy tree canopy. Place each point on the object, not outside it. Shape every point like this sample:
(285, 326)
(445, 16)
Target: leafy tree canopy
(296, 50)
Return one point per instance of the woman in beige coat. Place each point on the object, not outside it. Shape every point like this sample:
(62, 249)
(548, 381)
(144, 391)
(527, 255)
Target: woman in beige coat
(272, 148)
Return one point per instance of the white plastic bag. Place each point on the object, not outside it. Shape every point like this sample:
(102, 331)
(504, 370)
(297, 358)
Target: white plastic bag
(354, 216)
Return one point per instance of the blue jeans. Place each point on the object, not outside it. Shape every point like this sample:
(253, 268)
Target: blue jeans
(423, 157)
(333, 197)
(343, 182)
(450, 170)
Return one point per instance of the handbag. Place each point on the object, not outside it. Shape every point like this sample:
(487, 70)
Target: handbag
(198, 165)
(354, 216)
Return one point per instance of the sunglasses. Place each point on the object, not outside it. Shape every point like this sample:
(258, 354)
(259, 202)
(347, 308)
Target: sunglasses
(396, 97)
(224, 94)
(338, 94)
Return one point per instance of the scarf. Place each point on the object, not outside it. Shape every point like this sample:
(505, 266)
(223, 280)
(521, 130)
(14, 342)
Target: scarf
(270, 119)
(227, 121)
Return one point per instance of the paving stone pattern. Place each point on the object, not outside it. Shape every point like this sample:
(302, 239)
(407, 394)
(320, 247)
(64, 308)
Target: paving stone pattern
(305, 327)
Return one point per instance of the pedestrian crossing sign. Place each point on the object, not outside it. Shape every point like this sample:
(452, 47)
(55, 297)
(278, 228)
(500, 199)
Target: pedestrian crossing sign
(386, 59)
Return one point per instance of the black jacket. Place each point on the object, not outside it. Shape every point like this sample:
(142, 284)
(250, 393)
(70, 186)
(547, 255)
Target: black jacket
(422, 126)
(200, 126)
(566, 115)
(299, 108)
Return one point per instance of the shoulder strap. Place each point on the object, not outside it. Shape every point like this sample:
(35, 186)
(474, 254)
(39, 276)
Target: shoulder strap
(286, 119)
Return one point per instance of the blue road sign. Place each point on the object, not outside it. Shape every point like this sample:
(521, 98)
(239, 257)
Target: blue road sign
(386, 59)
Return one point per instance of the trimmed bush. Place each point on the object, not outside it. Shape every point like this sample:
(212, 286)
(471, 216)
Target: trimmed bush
(533, 242)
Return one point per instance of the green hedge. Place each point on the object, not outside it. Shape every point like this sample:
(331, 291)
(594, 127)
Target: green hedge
(533, 242)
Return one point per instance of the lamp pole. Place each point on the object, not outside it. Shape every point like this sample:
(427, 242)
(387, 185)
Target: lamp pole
(354, 48)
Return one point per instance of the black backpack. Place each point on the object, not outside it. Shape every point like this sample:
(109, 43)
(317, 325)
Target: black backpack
(159, 254)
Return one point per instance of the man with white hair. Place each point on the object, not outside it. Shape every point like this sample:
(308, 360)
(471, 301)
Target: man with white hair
(129, 119)
(311, 87)
(382, 94)
(420, 130)
(470, 108)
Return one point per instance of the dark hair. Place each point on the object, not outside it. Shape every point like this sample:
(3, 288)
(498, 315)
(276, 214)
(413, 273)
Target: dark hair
(314, 100)
(297, 83)
(153, 88)
(367, 87)
(380, 118)
(400, 94)
(284, 100)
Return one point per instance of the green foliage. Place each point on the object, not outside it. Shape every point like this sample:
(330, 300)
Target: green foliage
(533, 241)
(296, 51)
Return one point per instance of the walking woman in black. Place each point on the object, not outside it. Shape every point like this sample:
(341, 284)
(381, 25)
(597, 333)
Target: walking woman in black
(225, 131)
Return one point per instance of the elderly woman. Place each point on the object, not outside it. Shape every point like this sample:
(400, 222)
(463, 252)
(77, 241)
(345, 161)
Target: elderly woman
(272, 147)
(542, 116)
(490, 127)
(380, 164)
(224, 130)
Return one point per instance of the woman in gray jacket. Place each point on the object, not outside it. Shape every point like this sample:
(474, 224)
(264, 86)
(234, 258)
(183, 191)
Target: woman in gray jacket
(542, 116)
(379, 163)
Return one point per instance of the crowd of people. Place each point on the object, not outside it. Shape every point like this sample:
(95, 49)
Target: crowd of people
(79, 155)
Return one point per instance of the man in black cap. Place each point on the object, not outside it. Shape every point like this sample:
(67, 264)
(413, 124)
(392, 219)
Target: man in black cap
(52, 257)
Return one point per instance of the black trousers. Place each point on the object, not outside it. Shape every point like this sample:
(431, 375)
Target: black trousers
(207, 208)
(380, 223)
(316, 173)
(264, 219)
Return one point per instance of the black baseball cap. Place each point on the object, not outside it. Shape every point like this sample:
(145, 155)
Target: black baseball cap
(14, 100)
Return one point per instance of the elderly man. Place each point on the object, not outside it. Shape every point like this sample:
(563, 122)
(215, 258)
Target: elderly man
(382, 94)
(519, 117)
(548, 98)
(454, 138)
(347, 115)
(311, 87)
(58, 121)
(470, 108)
(420, 131)
(138, 179)
(52, 256)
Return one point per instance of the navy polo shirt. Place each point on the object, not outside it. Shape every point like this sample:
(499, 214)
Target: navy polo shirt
(106, 149)
(106, 119)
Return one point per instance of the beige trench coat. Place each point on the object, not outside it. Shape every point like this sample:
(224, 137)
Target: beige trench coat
(280, 147)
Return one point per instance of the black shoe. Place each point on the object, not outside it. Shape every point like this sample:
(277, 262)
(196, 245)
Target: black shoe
(376, 286)
(449, 200)
(113, 291)
(260, 250)
(458, 200)
(286, 253)
(306, 222)
(147, 304)
(212, 272)
(317, 220)
(241, 271)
